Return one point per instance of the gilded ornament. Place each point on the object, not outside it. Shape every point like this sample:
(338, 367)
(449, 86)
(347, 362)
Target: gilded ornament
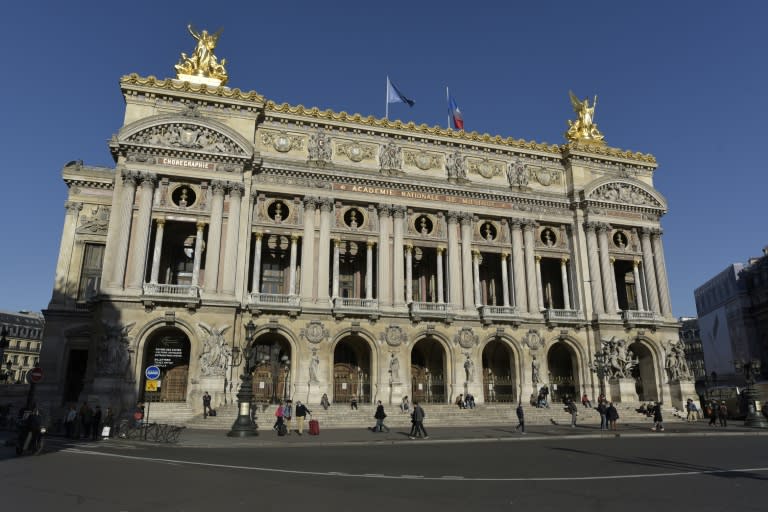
(203, 63)
(584, 128)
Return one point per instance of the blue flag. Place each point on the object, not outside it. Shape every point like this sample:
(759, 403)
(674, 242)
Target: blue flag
(395, 96)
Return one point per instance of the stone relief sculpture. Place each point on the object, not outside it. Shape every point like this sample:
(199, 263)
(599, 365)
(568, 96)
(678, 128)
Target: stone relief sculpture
(534, 371)
(314, 366)
(456, 166)
(390, 157)
(113, 358)
(216, 353)
(319, 148)
(469, 368)
(186, 137)
(96, 223)
(517, 174)
(676, 365)
(394, 368)
(619, 359)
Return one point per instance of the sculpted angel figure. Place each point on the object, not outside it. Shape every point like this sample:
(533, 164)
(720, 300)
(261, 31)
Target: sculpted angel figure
(216, 353)
(584, 128)
(203, 62)
(113, 357)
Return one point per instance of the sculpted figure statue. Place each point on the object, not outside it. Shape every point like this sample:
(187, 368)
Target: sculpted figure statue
(394, 367)
(534, 371)
(469, 368)
(203, 62)
(584, 128)
(314, 365)
(216, 354)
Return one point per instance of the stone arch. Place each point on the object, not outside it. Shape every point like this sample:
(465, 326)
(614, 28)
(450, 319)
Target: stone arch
(432, 368)
(273, 369)
(647, 374)
(169, 348)
(498, 385)
(353, 366)
(565, 371)
(637, 193)
(145, 333)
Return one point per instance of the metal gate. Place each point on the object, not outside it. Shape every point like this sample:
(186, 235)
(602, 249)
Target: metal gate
(498, 389)
(426, 387)
(174, 384)
(350, 382)
(270, 385)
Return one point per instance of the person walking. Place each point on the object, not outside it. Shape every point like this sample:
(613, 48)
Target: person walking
(520, 418)
(288, 414)
(96, 423)
(658, 419)
(206, 404)
(380, 415)
(86, 417)
(69, 422)
(417, 419)
(712, 411)
(612, 414)
(602, 409)
(571, 406)
(722, 414)
(691, 409)
(109, 422)
(278, 417)
(301, 414)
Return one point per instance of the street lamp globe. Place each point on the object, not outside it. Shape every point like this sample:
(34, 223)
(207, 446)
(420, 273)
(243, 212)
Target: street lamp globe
(244, 425)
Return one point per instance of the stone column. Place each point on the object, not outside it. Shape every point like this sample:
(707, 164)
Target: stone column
(65, 253)
(141, 240)
(126, 218)
(661, 273)
(198, 254)
(158, 251)
(649, 270)
(518, 266)
(595, 282)
(336, 250)
(605, 265)
(539, 280)
(369, 269)
(213, 247)
(466, 259)
(233, 230)
(615, 287)
(564, 276)
(531, 276)
(638, 288)
(256, 276)
(454, 262)
(324, 252)
(408, 273)
(292, 276)
(504, 279)
(384, 252)
(440, 296)
(476, 276)
(308, 250)
(398, 286)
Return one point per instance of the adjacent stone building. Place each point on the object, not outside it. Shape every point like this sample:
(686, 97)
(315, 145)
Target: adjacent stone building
(376, 258)
(21, 335)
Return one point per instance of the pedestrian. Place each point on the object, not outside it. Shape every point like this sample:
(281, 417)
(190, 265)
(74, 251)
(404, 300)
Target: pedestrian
(109, 422)
(460, 401)
(722, 414)
(658, 419)
(602, 409)
(288, 414)
(96, 423)
(711, 410)
(325, 402)
(69, 421)
(469, 401)
(585, 401)
(301, 413)
(690, 408)
(380, 415)
(405, 404)
(417, 421)
(612, 414)
(571, 408)
(138, 414)
(278, 417)
(206, 404)
(353, 403)
(86, 417)
(520, 418)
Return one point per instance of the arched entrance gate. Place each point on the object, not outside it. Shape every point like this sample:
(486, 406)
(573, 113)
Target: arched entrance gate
(168, 349)
(272, 368)
(563, 372)
(428, 371)
(499, 376)
(352, 370)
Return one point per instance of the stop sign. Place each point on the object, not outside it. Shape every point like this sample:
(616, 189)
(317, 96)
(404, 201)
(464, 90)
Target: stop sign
(35, 375)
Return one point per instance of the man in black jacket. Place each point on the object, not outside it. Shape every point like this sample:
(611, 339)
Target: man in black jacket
(301, 413)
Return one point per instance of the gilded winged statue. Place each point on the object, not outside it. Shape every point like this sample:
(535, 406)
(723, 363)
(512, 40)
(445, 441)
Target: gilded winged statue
(584, 128)
(203, 62)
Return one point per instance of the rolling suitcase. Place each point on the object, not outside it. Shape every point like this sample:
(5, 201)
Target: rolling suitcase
(314, 427)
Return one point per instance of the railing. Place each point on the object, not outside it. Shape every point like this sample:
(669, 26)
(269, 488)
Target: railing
(630, 315)
(277, 299)
(348, 303)
(430, 307)
(172, 290)
(502, 314)
(563, 315)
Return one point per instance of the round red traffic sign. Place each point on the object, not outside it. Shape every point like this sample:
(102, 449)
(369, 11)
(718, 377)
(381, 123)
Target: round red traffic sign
(35, 375)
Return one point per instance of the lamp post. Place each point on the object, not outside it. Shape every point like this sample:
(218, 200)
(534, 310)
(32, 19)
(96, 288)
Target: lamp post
(598, 366)
(750, 369)
(8, 367)
(234, 362)
(244, 426)
(286, 377)
(3, 345)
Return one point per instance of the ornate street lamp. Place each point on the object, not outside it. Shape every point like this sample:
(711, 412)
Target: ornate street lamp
(286, 379)
(244, 425)
(598, 366)
(750, 369)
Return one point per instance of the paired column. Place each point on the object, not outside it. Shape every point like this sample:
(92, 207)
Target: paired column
(661, 273)
(65, 254)
(336, 250)
(198, 254)
(384, 253)
(369, 269)
(126, 218)
(214, 237)
(323, 257)
(408, 274)
(615, 287)
(564, 276)
(649, 269)
(518, 265)
(466, 260)
(476, 275)
(596, 285)
(233, 231)
(158, 251)
(504, 279)
(454, 261)
(440, 296)
(292, 276)
(307, 249)
(531, 276)
(605, 266)
(638, 288)
(256, 276)
(398, 260)
(143, 223)
(539, 286)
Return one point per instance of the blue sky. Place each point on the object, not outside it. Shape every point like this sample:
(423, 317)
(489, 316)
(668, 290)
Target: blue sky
(685, 81)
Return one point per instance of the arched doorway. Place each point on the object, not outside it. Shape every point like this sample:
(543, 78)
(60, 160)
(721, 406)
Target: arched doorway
(352, 370)
(428, 371)
(499, 374)
(168, 349)
(643, 373)
(272, 368)
(563, 377)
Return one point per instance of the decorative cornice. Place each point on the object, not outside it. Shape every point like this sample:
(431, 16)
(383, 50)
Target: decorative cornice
(182, 86)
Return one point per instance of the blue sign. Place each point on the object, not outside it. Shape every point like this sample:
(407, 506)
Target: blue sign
(152, 372)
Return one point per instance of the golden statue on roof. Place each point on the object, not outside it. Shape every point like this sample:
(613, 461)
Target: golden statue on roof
(584, 128)
(203, 63)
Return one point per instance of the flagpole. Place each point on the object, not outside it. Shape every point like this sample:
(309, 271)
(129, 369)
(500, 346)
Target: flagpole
(386, 100)
(448, 104)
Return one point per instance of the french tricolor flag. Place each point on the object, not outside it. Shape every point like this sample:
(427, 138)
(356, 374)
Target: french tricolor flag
(453, 112)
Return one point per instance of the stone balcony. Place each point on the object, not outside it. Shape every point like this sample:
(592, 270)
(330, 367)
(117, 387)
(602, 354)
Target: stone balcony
(564, 317)
(431, 310)
(186, 294)
(633, 317)
(345, 306)
(258, 302)
(502, 314)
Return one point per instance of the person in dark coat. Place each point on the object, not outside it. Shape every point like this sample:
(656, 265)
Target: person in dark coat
(612, 414)
(96, 423)
(417, 419)
(658, 420)
(301, 413)
(380, 415)
(520, 418)
(602, 409)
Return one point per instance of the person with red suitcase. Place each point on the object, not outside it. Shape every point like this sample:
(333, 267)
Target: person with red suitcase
(301, 413)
